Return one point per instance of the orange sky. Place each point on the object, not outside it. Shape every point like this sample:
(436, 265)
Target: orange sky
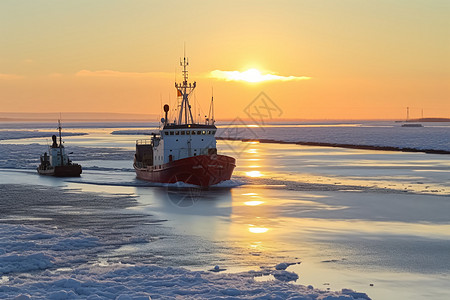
(364, 59)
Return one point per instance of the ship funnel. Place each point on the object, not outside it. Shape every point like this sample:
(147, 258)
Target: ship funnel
(54, 145)
(166, 110)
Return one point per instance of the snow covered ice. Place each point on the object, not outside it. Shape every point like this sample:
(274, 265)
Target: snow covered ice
(321, 221)
(61, 255)
(385, 134)
(23, 134)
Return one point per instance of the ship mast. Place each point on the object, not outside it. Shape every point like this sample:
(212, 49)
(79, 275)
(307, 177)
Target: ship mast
(211, 109)
(59, 129)
(60, 142)
(184, 90)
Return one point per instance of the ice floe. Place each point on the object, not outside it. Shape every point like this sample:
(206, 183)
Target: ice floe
(69, 254)
(25, 134)
(436, 138)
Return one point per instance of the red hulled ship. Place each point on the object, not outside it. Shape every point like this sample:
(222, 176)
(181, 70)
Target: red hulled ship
(183, 150)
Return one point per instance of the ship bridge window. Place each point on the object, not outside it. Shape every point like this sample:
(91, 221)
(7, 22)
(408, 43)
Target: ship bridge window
(177, 133)
(213, 132)
(203, 132)
(209, 132)
(171, 133)
(199, 132)
(193, 132)
(166, 133)
(183, 133)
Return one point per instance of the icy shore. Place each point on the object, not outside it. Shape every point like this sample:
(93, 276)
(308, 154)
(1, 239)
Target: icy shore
(424, 138)
(62, 244)
(39, 263)
(153, 282)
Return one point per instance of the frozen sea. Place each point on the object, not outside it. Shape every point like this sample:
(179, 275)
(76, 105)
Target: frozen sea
(295, 222)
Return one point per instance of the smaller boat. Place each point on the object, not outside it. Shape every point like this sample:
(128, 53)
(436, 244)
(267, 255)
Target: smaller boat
(408, 120)
(412, 125)
(57, 162)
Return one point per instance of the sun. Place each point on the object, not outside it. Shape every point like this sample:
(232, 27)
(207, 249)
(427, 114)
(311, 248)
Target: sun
(252, 76)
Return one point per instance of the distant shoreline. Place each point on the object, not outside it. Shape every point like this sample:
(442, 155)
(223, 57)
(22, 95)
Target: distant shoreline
(132, 117)
(6, 120)
(76, 117)
(427, 120)
(336, 145)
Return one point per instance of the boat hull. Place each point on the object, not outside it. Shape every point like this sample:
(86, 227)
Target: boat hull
(202, 170)
(61, 171)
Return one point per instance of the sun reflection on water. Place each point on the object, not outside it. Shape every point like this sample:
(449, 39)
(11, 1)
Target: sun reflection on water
(253, 203)
(253, 174)
(257, 229)
(255, 244)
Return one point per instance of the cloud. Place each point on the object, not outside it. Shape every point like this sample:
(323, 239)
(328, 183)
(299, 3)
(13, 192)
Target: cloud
(252, 75)
(110, 73)
(10, 76)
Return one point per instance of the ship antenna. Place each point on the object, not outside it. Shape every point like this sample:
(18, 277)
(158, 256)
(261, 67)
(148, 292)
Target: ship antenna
(60, 141)
(211, 108)
(161, 104)
(59, 129)
(184, 90)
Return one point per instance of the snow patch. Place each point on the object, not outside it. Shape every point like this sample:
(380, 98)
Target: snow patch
(89, 280)
(229, 184)
(283, 275)
(134, 131)
(24, 263)
(75, 243)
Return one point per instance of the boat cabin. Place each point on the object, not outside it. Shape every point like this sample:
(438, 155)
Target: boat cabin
(177, 142)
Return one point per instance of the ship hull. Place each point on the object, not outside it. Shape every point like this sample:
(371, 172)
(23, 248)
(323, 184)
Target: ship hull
(201, 170)
(61, 171)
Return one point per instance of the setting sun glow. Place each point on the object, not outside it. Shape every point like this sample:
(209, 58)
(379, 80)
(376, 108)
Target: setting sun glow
(95, 58)
(252, 75)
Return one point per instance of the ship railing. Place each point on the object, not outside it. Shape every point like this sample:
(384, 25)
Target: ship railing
(143, 142)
